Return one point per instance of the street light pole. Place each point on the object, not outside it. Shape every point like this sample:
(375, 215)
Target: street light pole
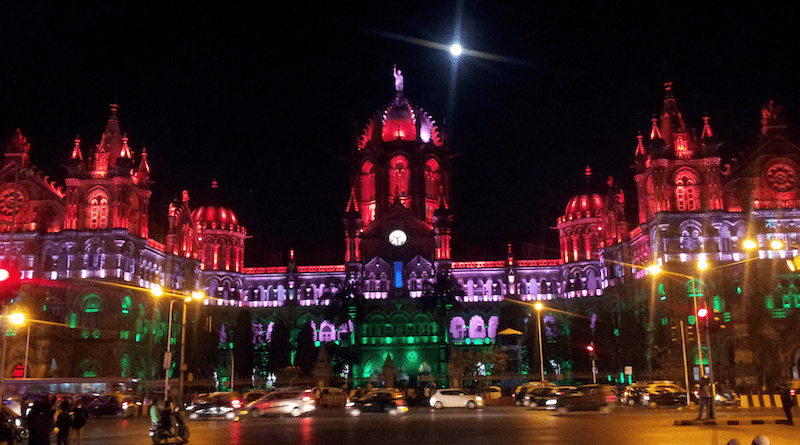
(539, 307)
(27, 348)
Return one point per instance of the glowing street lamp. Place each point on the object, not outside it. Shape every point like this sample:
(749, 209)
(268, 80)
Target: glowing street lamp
(16, 318)
(776, 244)
(456, 49)
(749, 244)
(539, 306)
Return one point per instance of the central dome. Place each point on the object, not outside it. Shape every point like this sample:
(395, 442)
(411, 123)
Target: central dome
(585, 206)
(214, 215)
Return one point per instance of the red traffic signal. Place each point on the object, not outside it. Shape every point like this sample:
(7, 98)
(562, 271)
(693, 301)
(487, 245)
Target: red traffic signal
(702, 312)
(4, 275)
(590, 348)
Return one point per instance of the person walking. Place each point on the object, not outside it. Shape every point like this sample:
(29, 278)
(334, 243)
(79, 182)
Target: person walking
(705, 398)
(40, 423)
(787, 401)
(79, 418)
(63, 423)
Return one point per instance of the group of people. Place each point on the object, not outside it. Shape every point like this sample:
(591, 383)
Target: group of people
(44, 419)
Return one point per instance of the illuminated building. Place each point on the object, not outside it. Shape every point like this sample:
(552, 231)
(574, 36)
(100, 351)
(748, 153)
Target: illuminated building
(691, 205)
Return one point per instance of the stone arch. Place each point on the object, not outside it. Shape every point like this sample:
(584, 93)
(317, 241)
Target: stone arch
(458, 328)
(477, 327)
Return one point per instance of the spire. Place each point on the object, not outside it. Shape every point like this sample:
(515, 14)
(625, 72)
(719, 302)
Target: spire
(671, 119)
(587, 173)
(707, 133)
(126, 151)
(639, 145)
(143, 173)
(655, 133)
(112, 137)
(76, 149)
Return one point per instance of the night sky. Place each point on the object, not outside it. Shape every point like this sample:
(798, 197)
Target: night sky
(268, 99)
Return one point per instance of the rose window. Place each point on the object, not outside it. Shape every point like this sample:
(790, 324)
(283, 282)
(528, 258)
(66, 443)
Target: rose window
(781, 177)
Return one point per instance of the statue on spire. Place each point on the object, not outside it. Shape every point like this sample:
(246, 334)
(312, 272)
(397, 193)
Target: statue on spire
(398, 79)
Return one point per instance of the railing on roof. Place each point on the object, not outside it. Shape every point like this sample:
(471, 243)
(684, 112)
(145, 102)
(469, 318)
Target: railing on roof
(536, 263)
(156, 245)
(326, 268)
(477, 264)
(260, 270)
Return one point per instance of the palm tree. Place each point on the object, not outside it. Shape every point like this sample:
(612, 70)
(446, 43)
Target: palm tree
(442, 295)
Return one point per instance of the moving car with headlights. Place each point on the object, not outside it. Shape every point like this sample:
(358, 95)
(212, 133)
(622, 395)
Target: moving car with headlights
(538, 397)
(379, 401)
(523, 390)
(218, 407)
(586, 398)
(113, 405)
(455, 398)
(663, 394)
(288, 402)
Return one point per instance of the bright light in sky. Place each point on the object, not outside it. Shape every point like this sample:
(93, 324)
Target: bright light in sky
(456, 49)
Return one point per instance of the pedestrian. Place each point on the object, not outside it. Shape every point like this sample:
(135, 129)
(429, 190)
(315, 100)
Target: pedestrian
(40, 422)
(760, 440)
(705, 398)
(63, 423)
(79, 418)
(787, 401)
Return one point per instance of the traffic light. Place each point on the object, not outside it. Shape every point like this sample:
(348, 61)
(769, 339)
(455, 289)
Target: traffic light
(590, 348)
(702, 312)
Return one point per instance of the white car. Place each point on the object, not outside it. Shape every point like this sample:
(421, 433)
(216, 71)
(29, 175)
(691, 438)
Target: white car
(455, 398)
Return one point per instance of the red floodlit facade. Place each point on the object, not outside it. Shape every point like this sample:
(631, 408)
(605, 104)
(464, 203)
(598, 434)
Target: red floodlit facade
(690, 205)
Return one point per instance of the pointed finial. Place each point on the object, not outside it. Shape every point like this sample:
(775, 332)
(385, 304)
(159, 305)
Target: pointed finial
(126, 150)
(587, 172)
(639, 145)
(76, 149)
(398, 79)
(707, 133)
(114, 108)
(352, 203)
(214, 184)
(655, 133)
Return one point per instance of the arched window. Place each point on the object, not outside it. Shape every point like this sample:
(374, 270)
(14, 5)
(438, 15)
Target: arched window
(126, 304)
(458, 329)
(399, 176)
(87, 368)
(686, 193)
(433, 182)
(97, 211)
(367, 192)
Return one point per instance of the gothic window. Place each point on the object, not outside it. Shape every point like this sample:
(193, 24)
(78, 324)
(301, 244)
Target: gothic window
(477, 328)
(433, 182)
(399, 176)
(367, 192)
(686, 192)
(97, 211)
(326, 333)
(92, 306)
(458, 328)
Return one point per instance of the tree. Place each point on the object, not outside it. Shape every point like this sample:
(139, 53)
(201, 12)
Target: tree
(243, 352)
(345, 305)
(442, 296)
(306, 354)
(477, 363)
(279, 352)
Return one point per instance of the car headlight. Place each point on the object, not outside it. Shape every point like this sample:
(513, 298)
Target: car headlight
(551, 402)
(18, 421)
(479, 398)
(646, 397)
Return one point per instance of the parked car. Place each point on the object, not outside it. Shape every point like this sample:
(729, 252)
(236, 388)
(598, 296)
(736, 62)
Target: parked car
(492, 392)
(633, 393)
(455, 398)
(586, 398)
(213, 407)
(291, 402)
(389, 402)
(112, 405)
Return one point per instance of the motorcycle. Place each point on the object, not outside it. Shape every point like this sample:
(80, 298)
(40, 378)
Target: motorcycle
(178, 432)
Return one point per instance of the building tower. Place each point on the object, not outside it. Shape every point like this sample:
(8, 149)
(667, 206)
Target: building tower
(400, 181)
(106, 192)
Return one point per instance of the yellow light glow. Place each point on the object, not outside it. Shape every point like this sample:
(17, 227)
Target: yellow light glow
(702, 264)
(17, 318)
(156, 290)
(538, 306)
(749, 244)
(198, 295)
(790, 263)
(776, 244)
(655, 269)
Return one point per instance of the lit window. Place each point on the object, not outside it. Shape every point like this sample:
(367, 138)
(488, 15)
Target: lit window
(97, 211)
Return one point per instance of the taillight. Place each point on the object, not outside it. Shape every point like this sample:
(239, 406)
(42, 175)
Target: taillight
(793, 392)
(306, 399)
(399, 402)
(124, 405)
(236, 403)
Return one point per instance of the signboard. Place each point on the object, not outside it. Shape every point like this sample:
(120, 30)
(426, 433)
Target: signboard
(629, 370)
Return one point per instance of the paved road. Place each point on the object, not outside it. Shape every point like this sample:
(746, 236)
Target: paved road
(489, 426)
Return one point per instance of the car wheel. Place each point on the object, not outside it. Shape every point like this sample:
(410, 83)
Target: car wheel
(518, 403)
(230, 415)
(193, 416)
(393, 412)
(562, 411)
(355, 412)
(653, 405)
(631, 402)
(255, 412)
(296, 412)
(438, 405)
(471, 404)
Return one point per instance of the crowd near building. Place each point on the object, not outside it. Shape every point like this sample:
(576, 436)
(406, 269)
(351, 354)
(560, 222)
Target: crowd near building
(398, 309)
